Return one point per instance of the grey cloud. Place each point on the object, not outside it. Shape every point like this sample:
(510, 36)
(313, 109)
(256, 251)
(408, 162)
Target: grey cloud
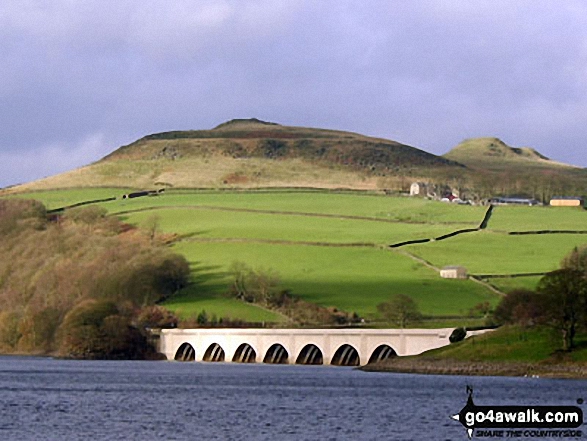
(426, 73)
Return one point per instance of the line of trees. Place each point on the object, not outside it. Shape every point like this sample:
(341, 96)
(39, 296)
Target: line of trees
(81, 284)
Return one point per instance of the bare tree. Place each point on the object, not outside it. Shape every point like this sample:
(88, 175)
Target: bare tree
(400, 310)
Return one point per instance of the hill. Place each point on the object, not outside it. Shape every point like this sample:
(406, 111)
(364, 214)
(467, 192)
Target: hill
(493, 153)
(496, 169)
(250, 153)
(254, 153)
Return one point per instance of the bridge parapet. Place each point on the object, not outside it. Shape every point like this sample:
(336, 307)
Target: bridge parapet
(349, 347)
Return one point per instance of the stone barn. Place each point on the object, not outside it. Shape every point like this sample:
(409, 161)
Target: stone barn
(453, 272)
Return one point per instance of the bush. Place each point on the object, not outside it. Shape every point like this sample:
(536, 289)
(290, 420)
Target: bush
(519, 306)
(457, 335)
(97, 330)
(156, 317)
(9, 334)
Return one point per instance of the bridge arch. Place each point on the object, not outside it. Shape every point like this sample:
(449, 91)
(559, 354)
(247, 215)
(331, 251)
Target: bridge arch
(245, 354)
(185, 352)
(310, 354)
(214, 353)
(346, 355)
(276, 354)
(382, 352)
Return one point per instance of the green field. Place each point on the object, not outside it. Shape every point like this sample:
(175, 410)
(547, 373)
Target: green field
(331, 248)
(402, 209)
(213, 223)
(352, 279)
(198, 298)
(512, 218)
(507, 284)
(488, 252)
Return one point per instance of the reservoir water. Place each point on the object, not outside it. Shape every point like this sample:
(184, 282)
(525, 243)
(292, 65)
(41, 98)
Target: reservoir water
(47, 399)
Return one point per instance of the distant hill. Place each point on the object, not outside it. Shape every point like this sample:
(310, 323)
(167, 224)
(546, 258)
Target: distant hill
(494, 168)
(250, 153)
(493, 151)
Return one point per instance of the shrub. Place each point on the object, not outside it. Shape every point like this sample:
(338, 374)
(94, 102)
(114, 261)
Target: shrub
(457, 335)
(96, 330)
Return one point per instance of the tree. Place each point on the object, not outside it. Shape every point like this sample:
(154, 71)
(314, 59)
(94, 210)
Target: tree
(563, 295)
(520, 306)
(152, 225)
(577, 260)
(400, 310)
(254, 285)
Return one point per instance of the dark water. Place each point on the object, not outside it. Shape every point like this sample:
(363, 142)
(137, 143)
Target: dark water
(45, 399)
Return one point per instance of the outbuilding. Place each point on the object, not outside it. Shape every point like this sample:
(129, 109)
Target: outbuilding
(567, 201)
(453, 272)
(418, 189)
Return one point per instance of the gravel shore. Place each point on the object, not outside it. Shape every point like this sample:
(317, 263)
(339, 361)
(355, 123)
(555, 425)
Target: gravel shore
(453, 367)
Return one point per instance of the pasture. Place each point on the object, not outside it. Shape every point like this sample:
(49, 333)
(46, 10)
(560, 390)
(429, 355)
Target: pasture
(331, 248)
(489, 252)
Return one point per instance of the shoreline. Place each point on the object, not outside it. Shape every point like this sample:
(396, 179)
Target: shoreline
(432, 366)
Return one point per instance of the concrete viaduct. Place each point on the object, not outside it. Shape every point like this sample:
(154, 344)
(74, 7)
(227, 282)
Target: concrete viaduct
(340, 347)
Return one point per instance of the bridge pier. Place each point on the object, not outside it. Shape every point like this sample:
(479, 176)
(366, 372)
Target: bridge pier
(303, 346)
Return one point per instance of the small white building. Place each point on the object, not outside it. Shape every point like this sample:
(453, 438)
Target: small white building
(453, 272)
(418, 189)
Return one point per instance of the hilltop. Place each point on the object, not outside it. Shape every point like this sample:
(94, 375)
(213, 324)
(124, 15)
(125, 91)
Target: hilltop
(494, 152)
(250, 153)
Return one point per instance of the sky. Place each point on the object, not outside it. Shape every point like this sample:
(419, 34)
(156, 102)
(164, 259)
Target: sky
(78, 79)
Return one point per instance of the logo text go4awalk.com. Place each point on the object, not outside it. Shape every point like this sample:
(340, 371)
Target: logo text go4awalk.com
(520, 421)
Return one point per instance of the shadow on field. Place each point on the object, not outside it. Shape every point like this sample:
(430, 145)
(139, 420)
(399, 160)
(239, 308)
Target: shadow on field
(207, 278)
(191, 235)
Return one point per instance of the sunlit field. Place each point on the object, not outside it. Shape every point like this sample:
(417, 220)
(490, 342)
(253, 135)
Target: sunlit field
(332, 248)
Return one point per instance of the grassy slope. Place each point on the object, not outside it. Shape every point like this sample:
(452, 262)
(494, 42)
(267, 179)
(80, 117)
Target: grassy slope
(494, 253)
(364, 205)
(197, 298)
(353, 279)
(509, 350)
(510, 218)
(509, 344)
(210, 223)
(215, 171)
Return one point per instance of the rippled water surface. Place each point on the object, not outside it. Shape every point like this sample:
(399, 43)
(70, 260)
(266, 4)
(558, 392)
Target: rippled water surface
(46, 399)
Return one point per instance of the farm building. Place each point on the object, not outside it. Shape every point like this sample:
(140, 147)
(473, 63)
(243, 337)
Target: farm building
(418, 189)
(566, 201)
(514, 201)
(453, 272)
